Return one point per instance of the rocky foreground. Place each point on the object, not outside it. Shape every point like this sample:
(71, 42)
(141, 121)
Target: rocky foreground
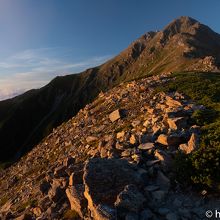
(113, 160)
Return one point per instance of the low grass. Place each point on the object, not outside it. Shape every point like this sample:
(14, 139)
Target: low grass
(201, 167)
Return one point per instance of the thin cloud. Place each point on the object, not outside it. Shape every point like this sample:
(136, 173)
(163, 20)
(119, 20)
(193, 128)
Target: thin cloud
(35, 68)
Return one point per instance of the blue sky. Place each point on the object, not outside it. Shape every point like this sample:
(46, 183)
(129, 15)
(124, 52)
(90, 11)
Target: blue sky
(40, 39)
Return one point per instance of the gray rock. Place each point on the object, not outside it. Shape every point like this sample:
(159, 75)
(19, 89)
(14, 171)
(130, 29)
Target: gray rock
(177, 203)
(131, 216)
(183, 212)
(198, 212)
(162, 181)
(172, 216)
(165, 158)
(105, 212)
(146, 146)
(163, 211)
(130, 199)
(151, 188)
(146, 214)
(152, 162)
(104, 179)
(159, 196)
(144, 138)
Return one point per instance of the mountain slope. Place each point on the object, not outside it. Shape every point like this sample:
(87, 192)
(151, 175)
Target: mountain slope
(116, 158)
(184, 45)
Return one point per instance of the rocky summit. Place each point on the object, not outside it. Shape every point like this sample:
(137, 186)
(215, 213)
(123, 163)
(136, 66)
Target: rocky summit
(113, 160)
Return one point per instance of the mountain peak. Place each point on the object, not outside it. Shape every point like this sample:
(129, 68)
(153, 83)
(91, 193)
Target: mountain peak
(181, 25)
(185, 20)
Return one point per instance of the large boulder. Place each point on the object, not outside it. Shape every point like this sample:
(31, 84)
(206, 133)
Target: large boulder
(163, 181)
(104, 179)
(130, 199)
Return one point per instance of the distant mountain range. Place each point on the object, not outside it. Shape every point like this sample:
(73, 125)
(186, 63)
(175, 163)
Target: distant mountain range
(183, 45)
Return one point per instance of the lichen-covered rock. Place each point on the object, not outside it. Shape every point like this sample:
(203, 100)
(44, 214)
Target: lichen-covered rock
(104, 179)
(130, 199)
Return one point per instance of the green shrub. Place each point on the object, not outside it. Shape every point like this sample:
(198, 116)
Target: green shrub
(183, 168)
(200, 167)
(211, 135)
(205, 116)
(205, 164)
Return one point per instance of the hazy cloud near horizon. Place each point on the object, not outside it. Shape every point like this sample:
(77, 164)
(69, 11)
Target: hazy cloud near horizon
(34, 68)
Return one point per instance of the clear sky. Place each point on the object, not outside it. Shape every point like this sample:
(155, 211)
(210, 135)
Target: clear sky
(40, 39)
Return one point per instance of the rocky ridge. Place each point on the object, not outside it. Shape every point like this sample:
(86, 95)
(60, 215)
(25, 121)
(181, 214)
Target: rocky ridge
(183, 45)
(113, 160)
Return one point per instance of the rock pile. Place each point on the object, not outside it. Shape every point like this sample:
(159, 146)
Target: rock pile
(114, 160)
